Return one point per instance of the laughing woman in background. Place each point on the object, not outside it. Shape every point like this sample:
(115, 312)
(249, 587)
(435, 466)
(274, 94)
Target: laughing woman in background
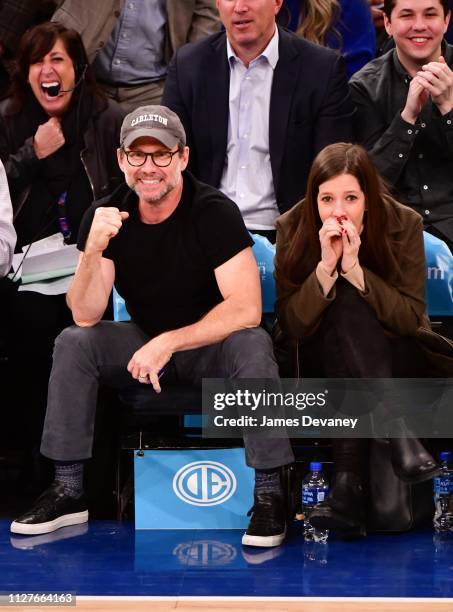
(58, 139)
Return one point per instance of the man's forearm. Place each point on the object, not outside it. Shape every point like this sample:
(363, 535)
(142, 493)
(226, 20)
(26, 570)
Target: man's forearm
(88, 296)
(227, 317)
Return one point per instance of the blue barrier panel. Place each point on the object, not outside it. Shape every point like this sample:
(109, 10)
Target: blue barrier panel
(192, 489)
(439, 277)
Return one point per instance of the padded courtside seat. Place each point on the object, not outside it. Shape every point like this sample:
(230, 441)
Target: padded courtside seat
(144, 406)
(168, 401)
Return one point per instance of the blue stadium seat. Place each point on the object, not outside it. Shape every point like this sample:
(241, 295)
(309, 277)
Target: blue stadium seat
(439, 277)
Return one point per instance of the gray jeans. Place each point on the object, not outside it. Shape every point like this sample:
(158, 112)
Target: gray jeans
(85, 357)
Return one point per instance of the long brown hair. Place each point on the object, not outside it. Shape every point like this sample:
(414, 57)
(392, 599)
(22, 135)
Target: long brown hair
(303, 252)
(34, 45)
(318, 17)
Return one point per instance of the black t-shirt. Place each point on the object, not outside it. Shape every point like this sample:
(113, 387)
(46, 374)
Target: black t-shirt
(165, 271)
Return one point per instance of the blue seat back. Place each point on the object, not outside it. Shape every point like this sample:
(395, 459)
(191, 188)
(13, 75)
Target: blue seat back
(439, 277)
(119, 307)
(264, 253)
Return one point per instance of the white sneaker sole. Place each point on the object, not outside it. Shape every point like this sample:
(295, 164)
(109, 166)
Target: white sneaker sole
(61, 521)
(263, 541)
(24, 543)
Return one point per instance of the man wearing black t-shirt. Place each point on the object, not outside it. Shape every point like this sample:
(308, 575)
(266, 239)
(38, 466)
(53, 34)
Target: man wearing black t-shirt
(180, 255)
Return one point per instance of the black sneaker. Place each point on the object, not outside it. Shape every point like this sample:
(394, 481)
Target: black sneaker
(52, 510)
(267, 526)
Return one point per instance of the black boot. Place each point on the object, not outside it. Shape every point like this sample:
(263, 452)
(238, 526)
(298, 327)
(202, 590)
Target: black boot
(343, 511)
(410, 460)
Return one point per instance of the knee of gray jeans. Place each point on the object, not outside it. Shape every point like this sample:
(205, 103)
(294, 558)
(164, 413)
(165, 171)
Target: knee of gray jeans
(250, 354)
(74, 336)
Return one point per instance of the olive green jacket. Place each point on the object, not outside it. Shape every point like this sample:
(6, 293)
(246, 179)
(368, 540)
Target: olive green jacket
(400, 309)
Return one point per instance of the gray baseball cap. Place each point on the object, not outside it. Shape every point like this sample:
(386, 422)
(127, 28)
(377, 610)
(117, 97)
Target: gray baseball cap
(157, 122)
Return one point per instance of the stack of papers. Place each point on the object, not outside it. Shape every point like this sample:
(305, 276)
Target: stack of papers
(48, 267)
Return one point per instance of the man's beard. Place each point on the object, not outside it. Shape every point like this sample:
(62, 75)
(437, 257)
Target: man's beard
(159, 196)
(166, 189)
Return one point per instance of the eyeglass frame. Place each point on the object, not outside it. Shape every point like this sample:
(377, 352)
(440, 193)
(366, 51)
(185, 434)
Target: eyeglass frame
(171, 153)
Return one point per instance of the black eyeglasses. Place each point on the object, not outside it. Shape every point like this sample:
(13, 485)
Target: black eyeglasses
(162, 159)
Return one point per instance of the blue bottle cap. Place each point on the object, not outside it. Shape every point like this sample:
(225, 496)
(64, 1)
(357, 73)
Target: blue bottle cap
(315, 466)
(446, 456)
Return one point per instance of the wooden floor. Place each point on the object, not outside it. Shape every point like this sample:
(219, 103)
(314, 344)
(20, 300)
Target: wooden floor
(129, 604)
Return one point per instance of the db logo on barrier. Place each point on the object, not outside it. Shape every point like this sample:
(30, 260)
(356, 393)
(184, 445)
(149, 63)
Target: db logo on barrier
(204, 483)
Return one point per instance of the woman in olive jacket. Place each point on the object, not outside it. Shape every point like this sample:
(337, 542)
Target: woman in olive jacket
(350, 271)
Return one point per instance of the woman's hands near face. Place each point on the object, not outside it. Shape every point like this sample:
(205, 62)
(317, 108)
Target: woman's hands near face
(351, 242)
(48, 138)
(330, 238)
(339, 238)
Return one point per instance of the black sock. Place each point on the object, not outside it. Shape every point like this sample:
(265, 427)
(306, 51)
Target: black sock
(268, 481)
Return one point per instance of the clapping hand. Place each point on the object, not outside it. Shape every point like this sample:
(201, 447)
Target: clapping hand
(434, 80)
(417, 97)
(437, 79)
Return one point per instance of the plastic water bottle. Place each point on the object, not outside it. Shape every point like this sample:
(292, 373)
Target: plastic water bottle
(443, 496)
(316, 553)
(315, 489)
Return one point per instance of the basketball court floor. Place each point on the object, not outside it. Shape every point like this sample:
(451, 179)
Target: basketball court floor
(109, 565)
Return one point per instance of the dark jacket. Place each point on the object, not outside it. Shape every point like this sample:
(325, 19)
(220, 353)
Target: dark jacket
(98, 156)
(415, 159)
(310, 108)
